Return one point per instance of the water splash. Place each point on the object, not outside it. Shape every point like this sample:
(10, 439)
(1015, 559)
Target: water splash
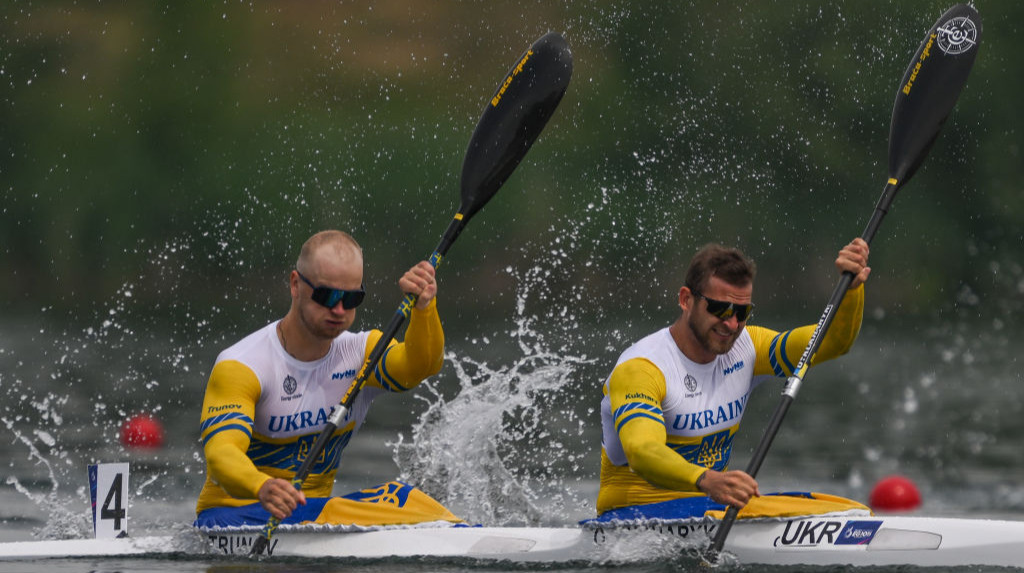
(505, 448)
(63, 521)
(491, 452)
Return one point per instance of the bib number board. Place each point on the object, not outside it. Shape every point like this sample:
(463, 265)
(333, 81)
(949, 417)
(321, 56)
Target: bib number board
(108, 486)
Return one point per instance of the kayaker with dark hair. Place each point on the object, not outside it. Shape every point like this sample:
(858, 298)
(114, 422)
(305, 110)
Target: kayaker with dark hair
(674, 400)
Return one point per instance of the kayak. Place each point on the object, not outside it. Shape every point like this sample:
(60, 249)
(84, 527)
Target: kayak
(792, 528)
(814, 540)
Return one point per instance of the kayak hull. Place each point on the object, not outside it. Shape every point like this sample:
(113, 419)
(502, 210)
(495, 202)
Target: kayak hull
(817, 540)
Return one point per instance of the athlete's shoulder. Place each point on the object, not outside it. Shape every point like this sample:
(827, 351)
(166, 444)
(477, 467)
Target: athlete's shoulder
(747, 338)
(252, 340)
(762, 338)
(354, 341)
(255, 350)
(657, 343)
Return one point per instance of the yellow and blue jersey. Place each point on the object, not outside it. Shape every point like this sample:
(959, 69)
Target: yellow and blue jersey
(657, 397)
(263, 409)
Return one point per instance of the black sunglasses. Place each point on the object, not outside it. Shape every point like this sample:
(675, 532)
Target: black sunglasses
(330, 297)
(725, 310)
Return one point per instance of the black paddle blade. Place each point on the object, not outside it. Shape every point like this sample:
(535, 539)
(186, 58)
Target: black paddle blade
(513, 119)
(930, 88)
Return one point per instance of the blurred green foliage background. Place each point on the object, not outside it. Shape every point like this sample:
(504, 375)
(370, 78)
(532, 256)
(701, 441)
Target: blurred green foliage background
(175, 154)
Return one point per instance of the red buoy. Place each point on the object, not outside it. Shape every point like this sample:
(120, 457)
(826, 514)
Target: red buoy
(142, 431)
(895, 493)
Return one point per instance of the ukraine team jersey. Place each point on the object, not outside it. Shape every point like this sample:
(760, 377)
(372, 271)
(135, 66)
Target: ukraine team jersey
(263, 409)
(700, 406)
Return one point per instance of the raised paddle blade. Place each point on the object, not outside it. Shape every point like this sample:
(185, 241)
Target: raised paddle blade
(930, 88)
(513, 119)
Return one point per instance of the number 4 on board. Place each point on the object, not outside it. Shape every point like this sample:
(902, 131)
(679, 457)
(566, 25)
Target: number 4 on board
(108, 485)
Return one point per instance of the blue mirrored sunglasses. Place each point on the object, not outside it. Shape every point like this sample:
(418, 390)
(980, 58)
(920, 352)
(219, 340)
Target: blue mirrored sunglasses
(330, 297)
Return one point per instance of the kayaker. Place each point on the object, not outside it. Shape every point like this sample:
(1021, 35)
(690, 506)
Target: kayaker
(270, 394)
(674, 400)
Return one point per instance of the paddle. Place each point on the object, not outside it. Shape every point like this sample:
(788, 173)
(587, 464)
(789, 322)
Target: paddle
(512, 120)
(930, 87)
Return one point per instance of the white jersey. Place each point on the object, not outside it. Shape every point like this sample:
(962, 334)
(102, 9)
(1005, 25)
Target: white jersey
(699, 406)
(294, 394)
(703, 403)
(263, 410)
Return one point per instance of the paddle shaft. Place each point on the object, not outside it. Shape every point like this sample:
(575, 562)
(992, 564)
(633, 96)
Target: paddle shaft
(793, 382)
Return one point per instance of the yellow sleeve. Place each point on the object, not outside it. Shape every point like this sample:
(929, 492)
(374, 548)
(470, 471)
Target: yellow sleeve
(405, 364)
(636, 389)
(779, 352)
(844, 329)
(226, 430)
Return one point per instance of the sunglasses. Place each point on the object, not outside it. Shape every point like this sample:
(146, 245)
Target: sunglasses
(726, 310)
(330, 297)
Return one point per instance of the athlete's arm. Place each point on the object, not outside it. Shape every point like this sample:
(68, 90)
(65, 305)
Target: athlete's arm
(421, 354)
(636, 389)
(778, 353)
(845, 327)
(733, 487)
(227, 419)
(853, 258)
(279, 497)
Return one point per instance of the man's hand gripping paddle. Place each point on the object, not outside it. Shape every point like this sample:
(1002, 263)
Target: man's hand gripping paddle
(926, 95)
(512, 120)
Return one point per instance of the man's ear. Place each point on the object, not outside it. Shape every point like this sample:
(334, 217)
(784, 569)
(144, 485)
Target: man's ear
(686, 298)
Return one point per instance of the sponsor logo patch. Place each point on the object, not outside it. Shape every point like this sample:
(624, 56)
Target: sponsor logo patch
(639, 396)
(735, 367)
(858, 532)
(343, 375)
